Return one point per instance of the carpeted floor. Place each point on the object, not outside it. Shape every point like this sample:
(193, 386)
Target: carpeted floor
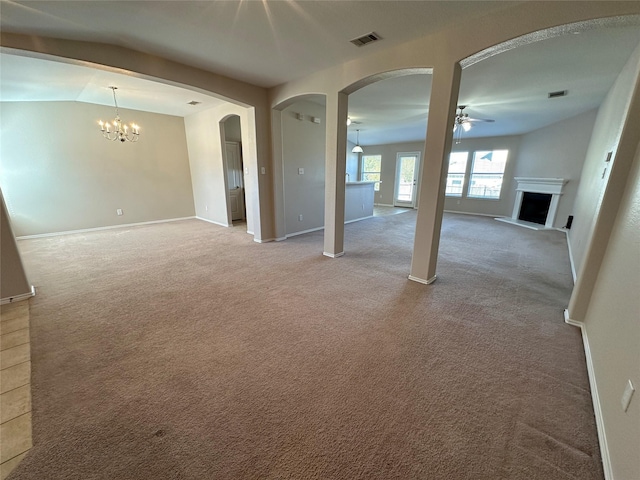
(187, 351)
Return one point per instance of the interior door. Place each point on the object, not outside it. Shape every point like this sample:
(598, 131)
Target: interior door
(235, 181)
(407, 168)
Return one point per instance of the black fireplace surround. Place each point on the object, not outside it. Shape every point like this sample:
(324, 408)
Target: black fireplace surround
(535, 207)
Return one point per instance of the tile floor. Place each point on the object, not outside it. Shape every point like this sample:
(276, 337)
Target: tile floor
(15, 385)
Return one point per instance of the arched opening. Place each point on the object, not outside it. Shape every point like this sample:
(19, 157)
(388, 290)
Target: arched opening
(231, 137)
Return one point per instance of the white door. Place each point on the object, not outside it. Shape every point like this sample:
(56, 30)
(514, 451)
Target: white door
(235, 181)
(407, 168)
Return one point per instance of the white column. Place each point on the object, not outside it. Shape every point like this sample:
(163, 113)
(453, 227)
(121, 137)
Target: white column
(442, 109)
(335, 166)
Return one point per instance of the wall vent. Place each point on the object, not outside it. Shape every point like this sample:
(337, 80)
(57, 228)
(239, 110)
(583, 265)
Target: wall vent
(365, 39)
(559, 93)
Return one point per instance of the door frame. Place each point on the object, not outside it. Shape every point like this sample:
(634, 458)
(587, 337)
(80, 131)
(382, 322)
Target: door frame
(416, 180)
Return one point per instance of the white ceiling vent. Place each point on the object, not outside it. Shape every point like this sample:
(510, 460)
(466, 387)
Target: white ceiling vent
(365, 39)
(559, 93)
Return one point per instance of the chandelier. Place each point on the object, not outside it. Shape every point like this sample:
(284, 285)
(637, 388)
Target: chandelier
(116, 130)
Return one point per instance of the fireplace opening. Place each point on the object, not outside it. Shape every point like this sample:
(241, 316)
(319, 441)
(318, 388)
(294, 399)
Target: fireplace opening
(535, 207)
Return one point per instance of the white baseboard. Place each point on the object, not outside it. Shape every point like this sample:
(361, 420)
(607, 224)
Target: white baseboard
(302, 232)
(267, 240)
(595, 398)
(422, 280)
(214, 222)
(19, 298)
(473, 213)
(383, 205)
(110, 227)
(332, 255)
(358, 219)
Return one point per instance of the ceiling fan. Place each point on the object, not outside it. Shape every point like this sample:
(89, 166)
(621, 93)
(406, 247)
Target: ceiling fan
(463, 122)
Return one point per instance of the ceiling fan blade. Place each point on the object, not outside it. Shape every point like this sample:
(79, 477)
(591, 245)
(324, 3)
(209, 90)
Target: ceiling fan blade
(488, 120)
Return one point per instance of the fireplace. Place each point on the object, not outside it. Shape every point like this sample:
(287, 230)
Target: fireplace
(536, 202)
(535, 207)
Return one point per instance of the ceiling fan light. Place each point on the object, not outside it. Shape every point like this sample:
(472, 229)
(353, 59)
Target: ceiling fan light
(466, 126)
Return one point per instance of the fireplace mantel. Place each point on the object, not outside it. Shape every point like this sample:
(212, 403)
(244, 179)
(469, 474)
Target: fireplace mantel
(554, 186)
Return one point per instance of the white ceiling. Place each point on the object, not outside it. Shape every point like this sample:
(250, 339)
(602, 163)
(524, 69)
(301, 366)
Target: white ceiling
(510, 88)
(264, 42)
(28, 79)
(269, 42)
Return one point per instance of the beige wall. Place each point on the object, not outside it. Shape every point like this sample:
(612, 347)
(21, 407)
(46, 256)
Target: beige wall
(59, 174)
(558, 151)
(612, 326)
(13, 279)
(605, 138)
(208, 167)
(303, 147)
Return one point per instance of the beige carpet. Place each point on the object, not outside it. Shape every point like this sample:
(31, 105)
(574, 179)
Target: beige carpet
(188, 351)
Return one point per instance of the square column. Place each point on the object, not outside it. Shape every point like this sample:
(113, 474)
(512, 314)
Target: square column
(442, 110)
(335, 166)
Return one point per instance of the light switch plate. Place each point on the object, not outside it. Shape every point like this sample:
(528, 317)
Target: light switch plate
(626, 396)
(301, 171)
(263, 170)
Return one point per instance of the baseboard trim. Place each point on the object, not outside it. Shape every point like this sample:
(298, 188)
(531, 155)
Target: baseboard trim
(332, 255)
(493, 215)
(383, 205)
(19, 298)
(358, 219)
(96, 229)
(595, 398)
(267, 240)
(570, 321)
(422, 280)
(302, 232)
(214, 222)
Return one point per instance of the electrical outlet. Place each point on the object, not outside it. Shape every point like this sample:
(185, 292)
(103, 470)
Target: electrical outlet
(301, 171)
(626, 396)
(363, 206)
(119, 211)
(263, 170)
(206, 208)
(299, 218)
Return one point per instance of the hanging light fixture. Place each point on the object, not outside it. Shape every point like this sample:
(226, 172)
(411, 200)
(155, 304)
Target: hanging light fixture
(124, 133)
(357, 148)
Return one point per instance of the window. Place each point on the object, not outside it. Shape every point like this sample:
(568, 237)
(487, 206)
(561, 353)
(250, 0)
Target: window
(371, 168)
(487, 172)
(455, 177)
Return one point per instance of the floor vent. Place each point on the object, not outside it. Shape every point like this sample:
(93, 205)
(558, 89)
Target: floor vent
(365, 39)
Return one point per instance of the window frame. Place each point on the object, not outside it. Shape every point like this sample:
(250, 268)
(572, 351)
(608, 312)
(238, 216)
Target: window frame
(363, 172)
(475, 157)
(468, 174)
(464, 174)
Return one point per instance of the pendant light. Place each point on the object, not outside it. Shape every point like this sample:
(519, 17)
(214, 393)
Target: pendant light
(357, 148)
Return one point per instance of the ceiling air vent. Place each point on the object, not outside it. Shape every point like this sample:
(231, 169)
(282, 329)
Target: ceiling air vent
(365, 39)
(559, 93)
(194, 103)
